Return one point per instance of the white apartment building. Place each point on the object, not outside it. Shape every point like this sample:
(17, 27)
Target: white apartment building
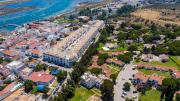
(71, 48)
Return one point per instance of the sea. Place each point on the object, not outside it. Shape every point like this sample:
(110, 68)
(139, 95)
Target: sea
(40, 9)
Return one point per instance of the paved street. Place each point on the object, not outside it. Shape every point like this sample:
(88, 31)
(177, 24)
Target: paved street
(69, 70)
(123, 77)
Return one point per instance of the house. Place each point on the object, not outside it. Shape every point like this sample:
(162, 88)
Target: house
(41, 78)
(15, 65)
(147, 80)
(140, 78)
(156, 80)
(115, 62)
(25, 72)
(4, 71)
(164, 58)
(89, 80)
(176, 74)
(111, 45)
(35, 53)
(32, 63)
(8, 53)
(6, 91)
(105, 69)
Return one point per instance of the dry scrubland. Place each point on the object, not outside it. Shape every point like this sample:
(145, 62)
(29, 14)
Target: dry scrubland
(160, 16)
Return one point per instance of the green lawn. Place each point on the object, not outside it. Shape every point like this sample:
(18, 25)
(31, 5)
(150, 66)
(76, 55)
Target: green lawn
(170, 63)
(63, 20)
(119, 49)
(82, 94)
(149, 72)
(100, 46)
(176, 59)
(151, 95)
(96, 91)
(114, 68)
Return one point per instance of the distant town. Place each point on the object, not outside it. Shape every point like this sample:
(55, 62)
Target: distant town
(116, 51)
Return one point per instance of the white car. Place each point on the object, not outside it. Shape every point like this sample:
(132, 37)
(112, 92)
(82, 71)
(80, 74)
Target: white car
(134, 97)
(124, 93)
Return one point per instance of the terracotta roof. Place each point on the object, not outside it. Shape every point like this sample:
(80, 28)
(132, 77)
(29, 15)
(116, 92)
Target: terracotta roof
(35, 51)
(115, 61)
(177, 74)
(9, 52)
(33, 61)
(106, 70)
(7, 89)
(141, 76)
(40, 77)
(157, 78)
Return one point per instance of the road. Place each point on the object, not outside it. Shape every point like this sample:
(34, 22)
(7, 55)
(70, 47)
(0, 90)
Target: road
(69, 70)
(123, 77)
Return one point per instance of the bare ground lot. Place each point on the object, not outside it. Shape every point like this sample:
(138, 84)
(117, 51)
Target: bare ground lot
(160, 16)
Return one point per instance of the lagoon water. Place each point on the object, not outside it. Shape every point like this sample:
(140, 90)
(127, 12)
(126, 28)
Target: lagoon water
(41, 9)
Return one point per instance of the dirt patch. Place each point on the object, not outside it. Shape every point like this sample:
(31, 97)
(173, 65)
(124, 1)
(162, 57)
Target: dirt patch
(160, 16)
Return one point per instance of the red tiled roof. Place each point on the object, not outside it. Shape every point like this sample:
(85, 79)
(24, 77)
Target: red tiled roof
(157, 78)
(177, 74)
(7, 89)
(106, 70)
(141, 76)
(9, 52)
(115, 61)
(35, 51)
(40, 77)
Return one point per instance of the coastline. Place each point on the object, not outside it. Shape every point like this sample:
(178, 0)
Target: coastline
(73, 8)
(81, 6)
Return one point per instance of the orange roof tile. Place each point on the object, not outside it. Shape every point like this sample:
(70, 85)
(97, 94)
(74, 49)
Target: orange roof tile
(40, 77)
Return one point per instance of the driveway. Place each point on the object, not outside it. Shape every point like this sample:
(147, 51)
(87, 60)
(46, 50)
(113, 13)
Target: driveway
(123, 77)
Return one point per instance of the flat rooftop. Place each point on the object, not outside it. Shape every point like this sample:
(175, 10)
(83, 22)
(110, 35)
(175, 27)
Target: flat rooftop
(71, 45)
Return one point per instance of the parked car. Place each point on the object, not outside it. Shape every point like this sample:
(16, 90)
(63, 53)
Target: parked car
(122, 96)
(134, 91)
(130, 79)
(134, 97)
(124, 93)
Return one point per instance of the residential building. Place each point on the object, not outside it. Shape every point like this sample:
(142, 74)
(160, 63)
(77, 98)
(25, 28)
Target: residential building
(115, 62)
(41, 78)
(71, 48)
(15, 65)
(32, 63)
(4, 71)
(142, 79)
(89, 80)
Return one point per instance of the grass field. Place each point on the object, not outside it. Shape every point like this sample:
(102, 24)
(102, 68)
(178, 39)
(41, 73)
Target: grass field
(149, 72)
(114, 69)
(176, 59)
(151, 95)
(170, 63)
(82, 94)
